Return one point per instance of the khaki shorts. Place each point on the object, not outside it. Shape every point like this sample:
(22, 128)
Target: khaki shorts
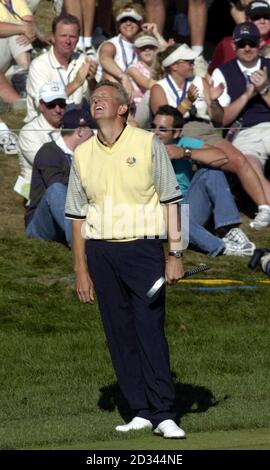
(255, 141)
(10, 50)
(203, 131)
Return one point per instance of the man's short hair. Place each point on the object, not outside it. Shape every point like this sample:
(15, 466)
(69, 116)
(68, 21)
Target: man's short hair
(121, 94)
(65, 18)
(167, 110)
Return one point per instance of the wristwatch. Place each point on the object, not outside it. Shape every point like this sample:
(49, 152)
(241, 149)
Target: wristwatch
(187, 152)
(176, 253)
(265, 90)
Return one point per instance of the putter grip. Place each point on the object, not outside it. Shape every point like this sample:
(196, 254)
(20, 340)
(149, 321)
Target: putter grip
(159, 283)
(199, 269)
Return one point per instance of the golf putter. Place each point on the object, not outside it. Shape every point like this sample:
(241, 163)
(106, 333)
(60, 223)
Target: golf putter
(159, 283)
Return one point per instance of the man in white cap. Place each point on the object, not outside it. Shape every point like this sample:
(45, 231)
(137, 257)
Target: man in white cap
(40, 130)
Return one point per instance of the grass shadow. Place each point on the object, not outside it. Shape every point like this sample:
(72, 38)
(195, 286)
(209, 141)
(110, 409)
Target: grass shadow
(188, 399)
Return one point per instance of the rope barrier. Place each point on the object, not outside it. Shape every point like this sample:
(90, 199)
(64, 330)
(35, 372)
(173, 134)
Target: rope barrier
(215, 131)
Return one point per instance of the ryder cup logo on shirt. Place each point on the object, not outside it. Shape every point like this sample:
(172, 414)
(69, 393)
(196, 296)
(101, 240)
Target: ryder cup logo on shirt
(131, 161)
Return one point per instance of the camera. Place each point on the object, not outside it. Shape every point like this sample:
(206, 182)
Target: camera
(262, 256)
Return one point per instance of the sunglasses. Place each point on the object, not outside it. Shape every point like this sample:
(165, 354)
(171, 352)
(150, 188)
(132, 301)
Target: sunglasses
(190, 62)
(144, 48)
(260, 16)
(54, 103)
(161, 128)
(128, 18)
(244, 42)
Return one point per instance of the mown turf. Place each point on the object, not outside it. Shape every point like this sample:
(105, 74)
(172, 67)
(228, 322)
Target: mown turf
(58, 388)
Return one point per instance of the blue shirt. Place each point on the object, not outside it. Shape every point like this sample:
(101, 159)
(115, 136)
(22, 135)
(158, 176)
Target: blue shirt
(182, 166)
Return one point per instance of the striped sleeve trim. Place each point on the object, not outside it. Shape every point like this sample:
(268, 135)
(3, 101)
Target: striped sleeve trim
(76, 200)
(164, 178)
(74, 217)
(172, 201)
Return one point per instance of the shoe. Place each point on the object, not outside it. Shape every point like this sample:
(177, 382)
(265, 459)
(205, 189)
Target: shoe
(169, 430)
(237, 237)
(135, 424)
(262, 218)
(233, 249)
(8, 143)
(200, 66)
(91, 52)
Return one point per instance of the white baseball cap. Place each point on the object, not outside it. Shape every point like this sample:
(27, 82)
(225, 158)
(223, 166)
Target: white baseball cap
(51, 91)
(129, 13)
(183, 52)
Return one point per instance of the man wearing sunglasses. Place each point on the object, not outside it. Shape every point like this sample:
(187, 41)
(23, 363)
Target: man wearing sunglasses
(40, 130)
(258, 12)
(246, 104)
(207, 193)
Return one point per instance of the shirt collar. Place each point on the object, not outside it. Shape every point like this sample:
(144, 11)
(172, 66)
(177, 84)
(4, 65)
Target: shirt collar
(54, 62)
(249, 70)
(60, 142)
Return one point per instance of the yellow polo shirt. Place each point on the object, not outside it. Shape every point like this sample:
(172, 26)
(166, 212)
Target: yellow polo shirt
(114, 188)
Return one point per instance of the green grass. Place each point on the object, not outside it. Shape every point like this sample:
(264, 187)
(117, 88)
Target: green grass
(57, 384)
(58, 388)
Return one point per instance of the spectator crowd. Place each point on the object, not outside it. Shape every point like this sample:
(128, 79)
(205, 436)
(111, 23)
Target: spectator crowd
(212, 116)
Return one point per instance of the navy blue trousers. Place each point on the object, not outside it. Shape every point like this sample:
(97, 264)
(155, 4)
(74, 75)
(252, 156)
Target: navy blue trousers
(122, 273)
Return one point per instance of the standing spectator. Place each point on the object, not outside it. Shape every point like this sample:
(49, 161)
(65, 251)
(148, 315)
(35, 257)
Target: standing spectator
(155, 12)
(84, 10)
(45, 213)
(17, 31)
(42, 129)
(60, 63)
(246, 102)
(124, 260)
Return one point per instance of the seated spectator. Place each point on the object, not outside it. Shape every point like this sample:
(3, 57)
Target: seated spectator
(208, 193)
(117, 54)
(45, 214)
(17, 31)
(42, 129)
(246, 104)
(61, 64)
(146, 46)
(197, 99)
(258, 12)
